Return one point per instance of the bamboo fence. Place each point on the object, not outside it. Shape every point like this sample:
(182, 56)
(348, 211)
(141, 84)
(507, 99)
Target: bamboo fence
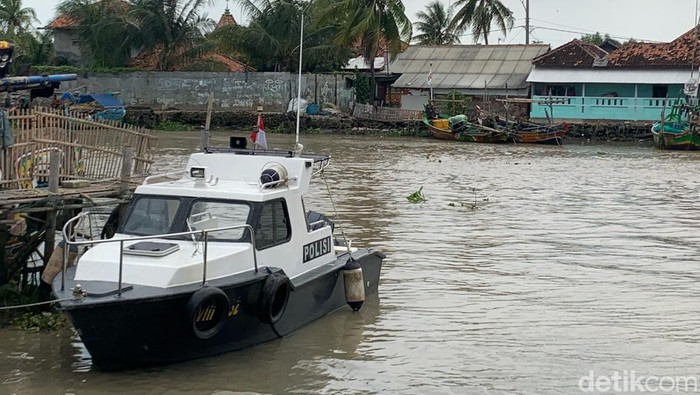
(88, 150)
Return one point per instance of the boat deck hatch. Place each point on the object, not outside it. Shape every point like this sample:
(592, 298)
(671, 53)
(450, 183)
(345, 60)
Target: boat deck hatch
(151, 248)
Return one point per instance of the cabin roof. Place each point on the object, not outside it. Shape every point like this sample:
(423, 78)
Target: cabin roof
(574, 54)
(500, 69)
(679, 53)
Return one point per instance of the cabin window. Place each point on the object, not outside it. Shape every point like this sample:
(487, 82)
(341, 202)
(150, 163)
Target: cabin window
(273, 226)
(151, 215)
(206, 215)
(659, 90)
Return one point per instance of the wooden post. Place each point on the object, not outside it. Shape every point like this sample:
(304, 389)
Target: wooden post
(204, 138)
(50, 236)
(125, 179)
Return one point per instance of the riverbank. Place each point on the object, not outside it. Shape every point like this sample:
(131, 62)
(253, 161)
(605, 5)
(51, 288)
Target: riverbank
(599, 131)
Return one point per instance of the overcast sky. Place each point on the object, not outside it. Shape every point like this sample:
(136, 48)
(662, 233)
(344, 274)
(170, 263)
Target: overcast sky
(553, 22)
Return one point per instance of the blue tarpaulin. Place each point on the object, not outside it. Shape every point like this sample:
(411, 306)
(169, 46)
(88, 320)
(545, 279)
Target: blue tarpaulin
(106, 100)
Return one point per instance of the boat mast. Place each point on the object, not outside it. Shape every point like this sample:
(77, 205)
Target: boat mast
(301, 50)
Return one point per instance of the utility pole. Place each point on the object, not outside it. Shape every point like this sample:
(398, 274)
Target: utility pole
(527, 22)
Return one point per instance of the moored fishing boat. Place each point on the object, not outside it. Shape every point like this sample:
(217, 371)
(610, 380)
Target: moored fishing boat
(219, 259)
(678, 130)
(539, 134)
(463, 130)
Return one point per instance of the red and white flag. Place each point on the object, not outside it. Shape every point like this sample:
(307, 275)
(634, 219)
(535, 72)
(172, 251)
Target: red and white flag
(430, 74)
(258, 136)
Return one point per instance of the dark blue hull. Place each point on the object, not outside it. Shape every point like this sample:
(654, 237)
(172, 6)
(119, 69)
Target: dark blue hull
(148, 326)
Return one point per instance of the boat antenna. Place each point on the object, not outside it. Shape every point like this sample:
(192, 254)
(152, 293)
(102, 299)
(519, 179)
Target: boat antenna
(297, 146)
(695, 41)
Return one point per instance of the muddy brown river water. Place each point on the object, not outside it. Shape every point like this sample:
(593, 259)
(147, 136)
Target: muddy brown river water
(526, 268)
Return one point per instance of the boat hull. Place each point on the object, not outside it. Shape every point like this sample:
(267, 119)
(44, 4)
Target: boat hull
(686, 140)
(472, 134)
(145, 327)
(539, 137)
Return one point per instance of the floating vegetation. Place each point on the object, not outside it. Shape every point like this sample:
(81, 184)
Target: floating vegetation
(40, 321)
(417, 196)
(471, 205)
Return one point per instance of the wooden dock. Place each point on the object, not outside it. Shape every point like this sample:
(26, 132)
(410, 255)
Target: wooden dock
(58, 164)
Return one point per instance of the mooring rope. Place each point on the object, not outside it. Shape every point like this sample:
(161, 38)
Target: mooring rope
(23, 306)
(337, 216)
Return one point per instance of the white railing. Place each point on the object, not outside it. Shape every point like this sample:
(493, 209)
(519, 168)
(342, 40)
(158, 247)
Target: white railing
(204, 233)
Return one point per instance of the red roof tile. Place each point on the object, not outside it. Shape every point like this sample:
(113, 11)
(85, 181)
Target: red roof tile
(574, 54)
(65, 22)
(61, 22)
(148, 60)
(226, 19)
(684, 51)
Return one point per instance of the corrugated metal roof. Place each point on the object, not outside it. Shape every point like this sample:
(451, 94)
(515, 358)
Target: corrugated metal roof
(466, 67)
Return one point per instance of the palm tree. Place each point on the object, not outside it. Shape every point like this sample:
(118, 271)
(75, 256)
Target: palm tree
(174, 28)
(480, 14)
(367, 24)
(271, 40)
(14, 18)
(32, 49)
(434, 25)
(101, 30)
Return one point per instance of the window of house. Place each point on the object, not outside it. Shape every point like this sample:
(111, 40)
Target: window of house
(273, 226)
(560, 90)
(659, 90)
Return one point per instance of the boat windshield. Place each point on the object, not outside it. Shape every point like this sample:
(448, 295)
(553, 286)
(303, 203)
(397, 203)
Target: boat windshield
(206, 214)
(152, 215)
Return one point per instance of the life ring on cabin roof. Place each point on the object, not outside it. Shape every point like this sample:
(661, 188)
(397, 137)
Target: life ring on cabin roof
(274, 297)
(206, 311)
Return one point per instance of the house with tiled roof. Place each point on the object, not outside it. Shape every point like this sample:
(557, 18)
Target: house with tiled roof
(66, 45)
(634, 82)
(65, 40)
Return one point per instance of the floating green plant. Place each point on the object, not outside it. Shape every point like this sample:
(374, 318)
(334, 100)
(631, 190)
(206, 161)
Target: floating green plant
(417, 196)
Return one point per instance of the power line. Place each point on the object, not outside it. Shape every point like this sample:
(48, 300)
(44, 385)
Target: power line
(567, 26)
(582, 33)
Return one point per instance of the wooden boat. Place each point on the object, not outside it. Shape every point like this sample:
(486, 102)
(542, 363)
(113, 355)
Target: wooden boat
(539, 134)
(526, 132)
(679, 130)
(464, 131)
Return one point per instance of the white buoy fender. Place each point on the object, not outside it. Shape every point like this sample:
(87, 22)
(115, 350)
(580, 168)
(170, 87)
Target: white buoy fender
(354, 284)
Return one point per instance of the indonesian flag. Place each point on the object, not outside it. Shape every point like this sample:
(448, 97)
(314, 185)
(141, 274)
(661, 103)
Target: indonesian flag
(430, 74)
(258, 135)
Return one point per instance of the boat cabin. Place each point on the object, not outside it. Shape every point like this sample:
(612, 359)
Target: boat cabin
(227, 193)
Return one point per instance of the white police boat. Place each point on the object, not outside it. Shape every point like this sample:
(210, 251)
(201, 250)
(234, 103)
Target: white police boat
(223, 258)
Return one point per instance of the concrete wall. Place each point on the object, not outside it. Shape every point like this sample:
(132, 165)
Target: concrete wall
(65, 46)
(232, 91)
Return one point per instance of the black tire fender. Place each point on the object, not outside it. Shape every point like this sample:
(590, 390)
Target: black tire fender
(274, 297)
(207, 309)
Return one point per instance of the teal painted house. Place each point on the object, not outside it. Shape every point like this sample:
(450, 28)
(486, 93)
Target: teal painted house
(635, 82)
